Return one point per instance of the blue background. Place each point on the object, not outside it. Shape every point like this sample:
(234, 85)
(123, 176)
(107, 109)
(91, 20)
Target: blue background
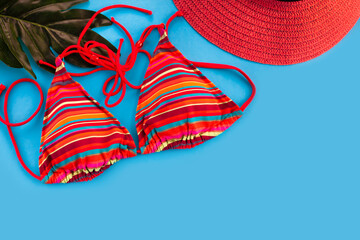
(289, 169)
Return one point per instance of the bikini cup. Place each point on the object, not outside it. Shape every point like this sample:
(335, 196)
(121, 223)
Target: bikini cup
(80, 139)
(178, 108)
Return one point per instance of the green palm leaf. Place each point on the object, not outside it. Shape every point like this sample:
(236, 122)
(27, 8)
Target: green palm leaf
(41, 25)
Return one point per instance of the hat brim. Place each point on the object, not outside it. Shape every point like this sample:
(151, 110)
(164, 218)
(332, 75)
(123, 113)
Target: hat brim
(269, 31)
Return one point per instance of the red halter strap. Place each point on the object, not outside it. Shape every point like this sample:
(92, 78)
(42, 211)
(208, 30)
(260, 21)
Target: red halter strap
(9, 125)
(175, 15)
(219, 66)
(111, 61)
(224, 66)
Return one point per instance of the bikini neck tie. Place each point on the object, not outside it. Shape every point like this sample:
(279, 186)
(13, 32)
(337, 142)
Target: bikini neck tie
(111, 62)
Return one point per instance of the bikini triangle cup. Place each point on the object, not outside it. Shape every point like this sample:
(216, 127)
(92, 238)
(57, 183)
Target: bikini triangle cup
(178, 108)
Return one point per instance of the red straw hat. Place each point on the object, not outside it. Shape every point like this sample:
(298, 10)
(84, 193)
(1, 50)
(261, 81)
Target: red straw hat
(271, 31)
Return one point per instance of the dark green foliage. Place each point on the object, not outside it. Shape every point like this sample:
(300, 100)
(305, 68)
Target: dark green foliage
(41, 24)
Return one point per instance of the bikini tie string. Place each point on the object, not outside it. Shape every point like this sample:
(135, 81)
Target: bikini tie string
(110, 62)
(8, 124)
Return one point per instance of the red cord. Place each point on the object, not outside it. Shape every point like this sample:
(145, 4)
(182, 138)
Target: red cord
(224, 66)
(9, 125)
(111, 61)
(46, 64)
(105, 9)
(177, 14)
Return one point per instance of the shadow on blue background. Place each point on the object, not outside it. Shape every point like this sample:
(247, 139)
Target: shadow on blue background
(289, 169)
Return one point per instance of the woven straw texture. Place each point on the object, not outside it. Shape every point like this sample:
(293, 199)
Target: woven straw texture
(270, 31)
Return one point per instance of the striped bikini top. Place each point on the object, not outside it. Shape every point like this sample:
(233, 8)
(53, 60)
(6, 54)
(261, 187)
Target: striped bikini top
(178, 108)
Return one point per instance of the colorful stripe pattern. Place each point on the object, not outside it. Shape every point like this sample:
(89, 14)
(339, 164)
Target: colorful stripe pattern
(178, 106)
(80, 139)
